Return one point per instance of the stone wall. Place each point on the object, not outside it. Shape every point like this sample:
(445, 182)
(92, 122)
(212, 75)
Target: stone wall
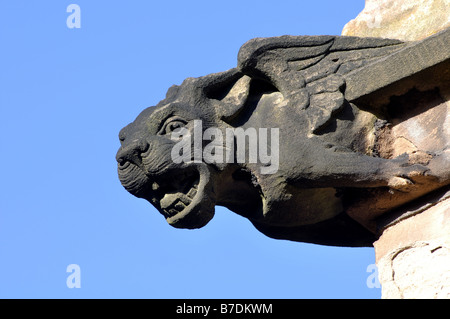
(413, 251)
(406, 20)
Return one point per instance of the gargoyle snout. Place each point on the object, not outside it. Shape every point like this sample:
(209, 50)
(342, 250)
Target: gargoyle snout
(132, 152)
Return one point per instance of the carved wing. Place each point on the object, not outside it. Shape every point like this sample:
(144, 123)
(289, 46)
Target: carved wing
(310, 70)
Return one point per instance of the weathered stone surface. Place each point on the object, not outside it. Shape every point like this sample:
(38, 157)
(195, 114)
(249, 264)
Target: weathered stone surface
(407, 20)
(413, 253)
(418, 271)
(335, 173)
(414, 105)
(417, 63)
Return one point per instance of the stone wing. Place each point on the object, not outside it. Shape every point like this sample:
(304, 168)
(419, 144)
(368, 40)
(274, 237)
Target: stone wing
(310, 70)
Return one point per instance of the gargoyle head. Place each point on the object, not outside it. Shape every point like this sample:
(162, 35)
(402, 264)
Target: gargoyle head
(185, 192)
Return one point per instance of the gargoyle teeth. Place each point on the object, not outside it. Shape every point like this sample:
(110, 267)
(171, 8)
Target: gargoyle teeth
(185, 199)
(174, 203)
(192, 192)
(176, 207)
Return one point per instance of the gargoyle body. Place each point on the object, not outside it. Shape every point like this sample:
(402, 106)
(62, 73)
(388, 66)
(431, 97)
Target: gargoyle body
(328, 169)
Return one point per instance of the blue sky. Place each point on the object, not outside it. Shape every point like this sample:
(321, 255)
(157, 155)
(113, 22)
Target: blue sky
(64, 96)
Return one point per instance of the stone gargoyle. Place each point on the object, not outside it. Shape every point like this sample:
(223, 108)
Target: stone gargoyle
(328, 168)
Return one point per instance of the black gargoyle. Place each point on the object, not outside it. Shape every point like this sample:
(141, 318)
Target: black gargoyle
(326, 170)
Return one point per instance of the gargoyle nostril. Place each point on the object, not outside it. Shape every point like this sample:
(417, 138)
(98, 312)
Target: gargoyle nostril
(121, 161)
(123, 155)
(132, 153)
(120, 158)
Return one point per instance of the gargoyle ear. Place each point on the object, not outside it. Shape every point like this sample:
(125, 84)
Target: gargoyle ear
(233, 102)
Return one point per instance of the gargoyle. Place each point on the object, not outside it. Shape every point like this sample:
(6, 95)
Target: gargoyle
(328, 170)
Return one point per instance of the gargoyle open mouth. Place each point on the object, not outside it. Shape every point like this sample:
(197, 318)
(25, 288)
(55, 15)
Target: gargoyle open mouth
(178, 194)
(185, 198)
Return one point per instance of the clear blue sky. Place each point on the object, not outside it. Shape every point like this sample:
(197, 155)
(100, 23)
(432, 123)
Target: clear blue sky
(64, 96)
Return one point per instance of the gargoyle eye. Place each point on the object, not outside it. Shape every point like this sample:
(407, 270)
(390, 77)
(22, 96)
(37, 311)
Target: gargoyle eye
(171, 125)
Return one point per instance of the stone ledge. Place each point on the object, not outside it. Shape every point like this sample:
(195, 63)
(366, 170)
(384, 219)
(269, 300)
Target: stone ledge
(413, 253)
(414, 58)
